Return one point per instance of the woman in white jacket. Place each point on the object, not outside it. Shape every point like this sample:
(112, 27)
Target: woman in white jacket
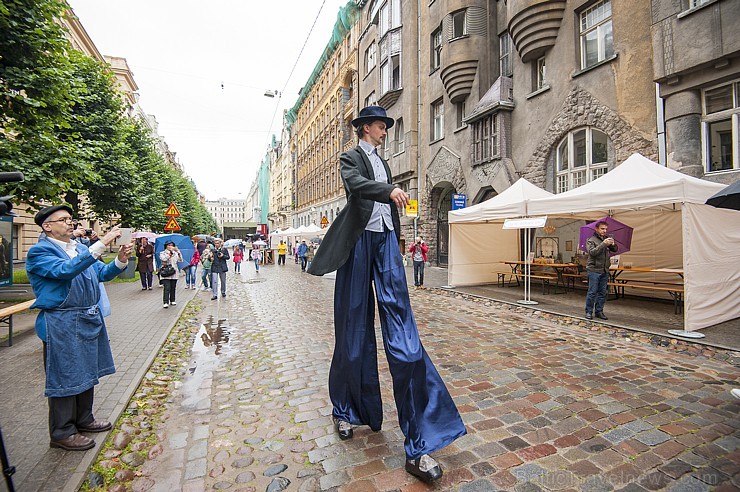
(170, 256)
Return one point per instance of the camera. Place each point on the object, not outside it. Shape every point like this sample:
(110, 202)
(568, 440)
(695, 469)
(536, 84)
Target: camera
(88, 232)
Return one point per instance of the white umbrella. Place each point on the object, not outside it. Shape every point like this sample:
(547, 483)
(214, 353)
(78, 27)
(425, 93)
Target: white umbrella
(259, 242)
(232, 242)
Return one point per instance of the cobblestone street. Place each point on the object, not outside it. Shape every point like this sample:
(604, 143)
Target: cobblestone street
(549, 404)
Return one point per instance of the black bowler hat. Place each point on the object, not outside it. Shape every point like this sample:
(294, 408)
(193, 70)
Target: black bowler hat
(370, 114)
(44, 213)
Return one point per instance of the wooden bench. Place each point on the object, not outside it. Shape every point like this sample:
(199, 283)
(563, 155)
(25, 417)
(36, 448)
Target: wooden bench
(6, 316)
(676, 291)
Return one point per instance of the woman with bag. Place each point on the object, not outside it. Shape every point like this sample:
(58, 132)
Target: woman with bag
(145, 263)
(168, 272)
(238, 257)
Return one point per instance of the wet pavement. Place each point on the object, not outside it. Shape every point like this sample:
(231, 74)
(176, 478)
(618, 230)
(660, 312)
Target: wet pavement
(550, 402)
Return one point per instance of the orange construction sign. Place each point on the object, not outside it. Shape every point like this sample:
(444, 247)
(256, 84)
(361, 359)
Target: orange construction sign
(324, 222)
(172, 212)
(172, 225)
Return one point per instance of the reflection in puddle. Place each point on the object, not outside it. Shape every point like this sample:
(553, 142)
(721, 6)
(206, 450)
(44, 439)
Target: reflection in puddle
(211, 342)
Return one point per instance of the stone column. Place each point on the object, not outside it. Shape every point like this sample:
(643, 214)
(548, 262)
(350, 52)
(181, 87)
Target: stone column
(683, 132)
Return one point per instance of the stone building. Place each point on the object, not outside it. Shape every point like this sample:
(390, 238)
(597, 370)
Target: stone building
(319, 126)
(282, 169)
(696, 62)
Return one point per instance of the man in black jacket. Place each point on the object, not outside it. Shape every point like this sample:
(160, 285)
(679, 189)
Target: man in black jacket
(598, 247)
(362, 245)
(219, 268)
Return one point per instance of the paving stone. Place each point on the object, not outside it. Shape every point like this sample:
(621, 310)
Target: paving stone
(514, 443)
(652, 437)
(528, 472)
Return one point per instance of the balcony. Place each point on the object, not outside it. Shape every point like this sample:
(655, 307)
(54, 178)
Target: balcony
(534, 25)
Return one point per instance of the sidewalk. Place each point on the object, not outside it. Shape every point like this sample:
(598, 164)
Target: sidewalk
(137, 328)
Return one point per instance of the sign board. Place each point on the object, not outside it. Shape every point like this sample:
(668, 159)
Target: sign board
(262, 229)
(324, 222)
(172, 211)
(525, 223)
(6, 250)
(412, 208)
(172, 225)
(459, 200)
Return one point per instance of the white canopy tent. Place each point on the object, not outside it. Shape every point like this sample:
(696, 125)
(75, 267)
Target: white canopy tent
(673, 228)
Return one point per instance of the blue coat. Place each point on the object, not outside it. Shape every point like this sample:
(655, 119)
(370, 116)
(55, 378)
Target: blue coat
(50, 271)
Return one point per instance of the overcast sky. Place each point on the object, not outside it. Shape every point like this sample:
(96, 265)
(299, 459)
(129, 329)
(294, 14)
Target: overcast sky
(203, 67)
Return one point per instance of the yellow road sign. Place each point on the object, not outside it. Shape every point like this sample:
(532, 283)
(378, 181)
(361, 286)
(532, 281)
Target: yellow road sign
(172, 211)
(172, 225)
(412, 209)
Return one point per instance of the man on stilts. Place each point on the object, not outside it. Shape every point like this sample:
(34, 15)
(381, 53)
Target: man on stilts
(362, 246)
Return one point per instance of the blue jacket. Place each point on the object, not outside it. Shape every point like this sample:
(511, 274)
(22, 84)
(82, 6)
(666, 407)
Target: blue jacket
(50, 271)
(302, 249)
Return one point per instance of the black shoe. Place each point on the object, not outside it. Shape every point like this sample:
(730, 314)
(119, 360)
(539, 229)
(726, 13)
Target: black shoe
(424, 468)
(589, 316)
(601, 316)
(344, 429)
(214, 298)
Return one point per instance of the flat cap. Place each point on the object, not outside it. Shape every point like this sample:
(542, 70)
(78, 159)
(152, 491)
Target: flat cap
(44, 213)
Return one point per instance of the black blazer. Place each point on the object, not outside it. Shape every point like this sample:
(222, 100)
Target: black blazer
(362, 192)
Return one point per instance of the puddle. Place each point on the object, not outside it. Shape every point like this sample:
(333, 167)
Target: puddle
(211, 344)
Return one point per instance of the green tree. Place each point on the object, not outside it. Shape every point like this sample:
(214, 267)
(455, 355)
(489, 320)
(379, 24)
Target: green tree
(38, 90)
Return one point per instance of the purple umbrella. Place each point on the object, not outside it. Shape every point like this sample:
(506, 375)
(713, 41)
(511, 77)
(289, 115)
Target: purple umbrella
(622, 234)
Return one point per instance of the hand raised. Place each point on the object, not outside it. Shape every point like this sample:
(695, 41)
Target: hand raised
(399, 197)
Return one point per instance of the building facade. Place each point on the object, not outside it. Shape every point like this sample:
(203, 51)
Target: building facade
(319, 124)
(696, 63)
(228, 211)
(282, 169)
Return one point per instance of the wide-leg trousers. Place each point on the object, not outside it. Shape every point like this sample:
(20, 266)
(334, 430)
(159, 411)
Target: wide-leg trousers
(426, 413)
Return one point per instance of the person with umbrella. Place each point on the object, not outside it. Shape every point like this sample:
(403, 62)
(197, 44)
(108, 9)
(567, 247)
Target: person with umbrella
(598, 247)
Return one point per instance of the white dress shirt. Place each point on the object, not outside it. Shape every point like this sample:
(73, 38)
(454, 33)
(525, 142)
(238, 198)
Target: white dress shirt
(381, 211)
(96, 250)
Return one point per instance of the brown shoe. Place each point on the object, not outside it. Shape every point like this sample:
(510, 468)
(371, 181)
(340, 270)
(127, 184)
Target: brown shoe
(75, 442)
(95, 426)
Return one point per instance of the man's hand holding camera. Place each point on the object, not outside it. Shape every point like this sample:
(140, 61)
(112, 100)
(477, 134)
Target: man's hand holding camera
(124, 252)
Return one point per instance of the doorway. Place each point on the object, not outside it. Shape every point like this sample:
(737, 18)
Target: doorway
(443, 230)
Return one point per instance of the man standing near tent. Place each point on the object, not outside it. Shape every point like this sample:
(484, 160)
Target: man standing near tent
(598, 247)
(362, 245)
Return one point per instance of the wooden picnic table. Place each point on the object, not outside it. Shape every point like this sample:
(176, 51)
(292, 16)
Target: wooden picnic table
(674, 289)
(558, 268)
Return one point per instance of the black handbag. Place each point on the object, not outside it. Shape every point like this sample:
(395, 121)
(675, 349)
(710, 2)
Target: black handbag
(166, 270)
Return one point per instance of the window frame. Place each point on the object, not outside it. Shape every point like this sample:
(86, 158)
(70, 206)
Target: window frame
(599, 27)
(484, 142)
(504, 55)
(732, 115)
(460, 115)
(400, 137)
(371, 55)
(437, 120)
(540, 73)
(589, 168)
(436, 49)
(456, 15)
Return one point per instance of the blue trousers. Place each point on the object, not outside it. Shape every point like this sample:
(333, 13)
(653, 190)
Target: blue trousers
(596, 296)
(426, 413)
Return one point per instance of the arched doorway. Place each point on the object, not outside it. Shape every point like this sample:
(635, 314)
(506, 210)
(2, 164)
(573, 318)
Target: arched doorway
(443, 230)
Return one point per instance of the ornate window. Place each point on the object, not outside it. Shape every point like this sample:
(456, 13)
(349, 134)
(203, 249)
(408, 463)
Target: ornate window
(597, 42)
(582, 156)
(485, 139)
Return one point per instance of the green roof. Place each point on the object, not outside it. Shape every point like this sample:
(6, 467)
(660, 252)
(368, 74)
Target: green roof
(346, 18)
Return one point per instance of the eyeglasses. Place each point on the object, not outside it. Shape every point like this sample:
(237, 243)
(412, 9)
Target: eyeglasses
(66, 220)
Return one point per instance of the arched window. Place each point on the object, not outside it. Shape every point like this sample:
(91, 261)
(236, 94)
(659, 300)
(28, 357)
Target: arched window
(582, 156)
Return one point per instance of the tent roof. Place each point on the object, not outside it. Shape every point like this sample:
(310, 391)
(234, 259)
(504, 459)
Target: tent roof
(512, 202)
(635, 184)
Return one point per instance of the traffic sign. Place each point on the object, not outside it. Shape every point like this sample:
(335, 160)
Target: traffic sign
(172, 212)
(412, 208)
(459, 200)
(324, 222)
(172, 225)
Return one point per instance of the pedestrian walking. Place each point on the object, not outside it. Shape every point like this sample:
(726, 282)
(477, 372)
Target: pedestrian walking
(302, 250)
(256, 256)
(310, 254)
(169, 273)
(282, 251)
(219, 268)
(65, 277)
(191, 270)
(206, 260)
(362, 246)
(238, 257)
(597, 266)
(145, 263)
(418, 252)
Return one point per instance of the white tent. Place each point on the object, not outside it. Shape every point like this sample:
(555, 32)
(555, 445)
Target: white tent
(672, 229)
(475, 253)
(314, 230)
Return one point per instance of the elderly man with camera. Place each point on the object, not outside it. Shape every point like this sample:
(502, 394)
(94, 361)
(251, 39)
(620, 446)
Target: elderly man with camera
(65, 276)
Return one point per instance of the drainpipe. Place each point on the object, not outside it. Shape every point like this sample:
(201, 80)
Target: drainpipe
(418, 116)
